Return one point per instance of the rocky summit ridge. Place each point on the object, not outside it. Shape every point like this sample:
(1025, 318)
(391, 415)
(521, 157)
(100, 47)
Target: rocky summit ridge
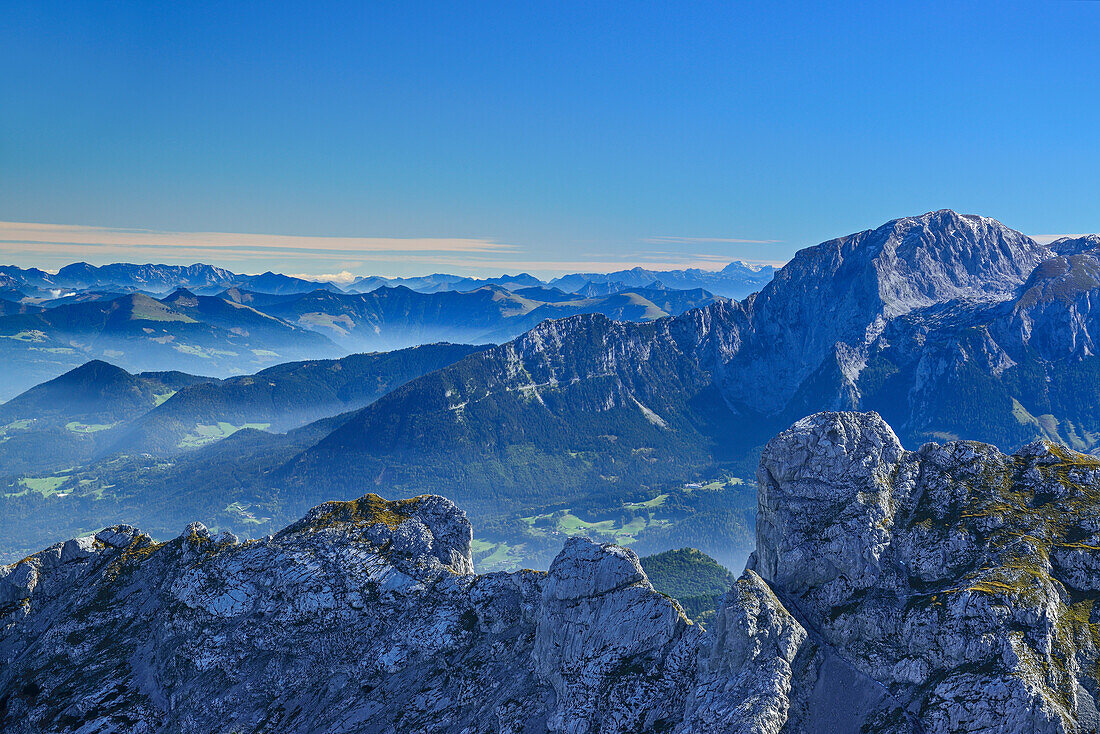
(948, 589)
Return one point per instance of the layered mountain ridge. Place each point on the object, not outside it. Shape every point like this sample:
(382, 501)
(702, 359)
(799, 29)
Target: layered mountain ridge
(397, 317)
(99, 410)
(64, 422)
(950, 326)
(925, 300)
(199, 334)
(943, 590)
(222, 332)
(736, 280)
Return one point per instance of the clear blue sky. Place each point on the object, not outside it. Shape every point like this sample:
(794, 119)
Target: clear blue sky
(553, 133)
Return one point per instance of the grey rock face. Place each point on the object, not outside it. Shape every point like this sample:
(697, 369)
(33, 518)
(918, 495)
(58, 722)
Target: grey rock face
(619, 656)
(950, 589)
(1054, 313)
(955, 578)
(845, 291)
(746, 682)
(364, 616)
(835, 465)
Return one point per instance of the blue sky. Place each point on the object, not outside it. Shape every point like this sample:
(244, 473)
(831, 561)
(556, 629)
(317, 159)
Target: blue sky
(546, 137)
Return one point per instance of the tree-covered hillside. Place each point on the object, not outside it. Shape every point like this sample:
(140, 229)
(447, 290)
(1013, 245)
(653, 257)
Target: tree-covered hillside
(692, 578)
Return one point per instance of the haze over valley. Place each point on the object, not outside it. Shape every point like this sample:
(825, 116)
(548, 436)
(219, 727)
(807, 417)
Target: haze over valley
(549, 368)
(206, 320)
(638, 424)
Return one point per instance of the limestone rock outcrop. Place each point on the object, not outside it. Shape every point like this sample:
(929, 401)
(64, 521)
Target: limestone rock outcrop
(363, 616)
(955, 579)
(949, 589)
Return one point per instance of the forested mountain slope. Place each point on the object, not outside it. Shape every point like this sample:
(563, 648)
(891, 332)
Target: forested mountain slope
(952, 326)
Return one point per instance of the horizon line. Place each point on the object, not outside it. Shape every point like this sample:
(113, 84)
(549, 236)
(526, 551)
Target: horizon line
(49, 246)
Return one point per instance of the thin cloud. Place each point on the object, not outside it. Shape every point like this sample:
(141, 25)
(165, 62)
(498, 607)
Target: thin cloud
(558, 267)
(1046, 239)
(49, 238)
(664, 255)
(678, 240)
(342, 277)
(337, 259)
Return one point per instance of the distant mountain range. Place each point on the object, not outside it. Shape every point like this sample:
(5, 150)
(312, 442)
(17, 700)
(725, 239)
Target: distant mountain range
(442, 282)
(160, 317)
(393, 318)
(736, 280)
(237, 331)
(99, 409)
(198, 334)
(948, 325)
(150, 279)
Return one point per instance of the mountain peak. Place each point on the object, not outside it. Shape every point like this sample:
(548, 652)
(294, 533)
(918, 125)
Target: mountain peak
(945, 219)
(913, 262)
(423, 531)
(80, 265)
(178, 294)
(92, 385)
(95, 370)
(942, 255)
(846, 290)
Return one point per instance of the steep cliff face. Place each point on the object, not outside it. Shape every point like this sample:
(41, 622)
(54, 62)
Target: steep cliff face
(1007, 372)
(943, 590)
(834, 299)
(957, 581)
(950, 325)
(1055, 313)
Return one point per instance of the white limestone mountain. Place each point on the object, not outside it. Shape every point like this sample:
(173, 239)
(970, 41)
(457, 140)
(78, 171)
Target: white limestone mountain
(833, 300)
(947, 589)
(943, 590)
(945, 323)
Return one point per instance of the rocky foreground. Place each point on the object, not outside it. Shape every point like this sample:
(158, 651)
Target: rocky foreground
(950, 589)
